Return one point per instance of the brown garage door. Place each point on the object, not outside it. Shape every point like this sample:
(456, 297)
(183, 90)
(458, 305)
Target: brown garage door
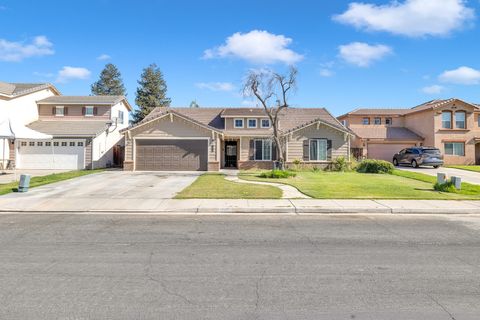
(381, 151)
(171, 155)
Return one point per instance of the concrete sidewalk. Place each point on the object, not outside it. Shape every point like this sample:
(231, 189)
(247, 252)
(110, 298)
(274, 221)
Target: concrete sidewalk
(204, 206)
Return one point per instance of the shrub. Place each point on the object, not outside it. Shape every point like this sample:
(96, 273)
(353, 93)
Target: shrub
(340, 164)
(448, 186)
(277, 174)
(296, 164)
(375, 166)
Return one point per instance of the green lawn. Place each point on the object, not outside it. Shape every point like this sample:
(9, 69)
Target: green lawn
(51, 178)
(468, 168)
(214, 186)
(353, 185)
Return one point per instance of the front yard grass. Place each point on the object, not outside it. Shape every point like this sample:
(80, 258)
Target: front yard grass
(468, 168)
(214, 186)
(43, 180)
(353, 185)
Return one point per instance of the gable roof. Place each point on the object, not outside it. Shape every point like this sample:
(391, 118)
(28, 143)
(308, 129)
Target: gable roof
(432, 104)
(16, 89)
(289, 119)
(385, 133)
(85, 100)
(69, 128)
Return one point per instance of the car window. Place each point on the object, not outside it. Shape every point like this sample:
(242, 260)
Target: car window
(416, 151)
(408, 151)
(431, 151)
(402, 151)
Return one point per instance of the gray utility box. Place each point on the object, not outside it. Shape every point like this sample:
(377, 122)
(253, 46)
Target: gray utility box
(457, 182)
(24, 183)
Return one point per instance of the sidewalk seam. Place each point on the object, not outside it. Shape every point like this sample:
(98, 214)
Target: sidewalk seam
(383, 205)
(294, 207)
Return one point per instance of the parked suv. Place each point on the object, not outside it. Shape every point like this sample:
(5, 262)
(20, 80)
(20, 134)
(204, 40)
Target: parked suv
(419, 156)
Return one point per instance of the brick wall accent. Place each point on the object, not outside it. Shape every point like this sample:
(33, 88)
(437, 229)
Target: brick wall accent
(265, 165)
(88, 154)
(128, 165)
(214, 166)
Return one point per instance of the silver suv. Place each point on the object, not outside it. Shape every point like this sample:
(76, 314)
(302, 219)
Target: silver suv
(419, 156)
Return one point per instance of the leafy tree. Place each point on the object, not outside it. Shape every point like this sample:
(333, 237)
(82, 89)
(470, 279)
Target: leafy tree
(110, 82)
(151, 93)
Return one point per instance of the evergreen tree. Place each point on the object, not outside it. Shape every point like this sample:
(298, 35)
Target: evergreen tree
(151, 93)
(194, 104)
(110, 82)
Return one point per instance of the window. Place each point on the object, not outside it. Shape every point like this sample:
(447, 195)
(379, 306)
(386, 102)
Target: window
(460, 120)
(80, 144)
(72, 144)
(120, 117)
(89, 111)
(263, 150)
(318, 150)
(447, 120)
(55, 144)
(388, 121)
(238, 123)
(252, 123)
(23, 144)
(31, 144)
(64, 144)
(39, 144)
(59, 111)
(48, 144)
(455, 148)
(366, 121)
(377, 121)
(344, 123)
(265, 123)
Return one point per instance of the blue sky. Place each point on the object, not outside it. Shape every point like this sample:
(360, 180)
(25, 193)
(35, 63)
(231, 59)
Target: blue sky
(369, 54)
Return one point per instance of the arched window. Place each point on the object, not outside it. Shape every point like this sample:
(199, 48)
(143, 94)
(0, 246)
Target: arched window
(447, 119)
(460, 120)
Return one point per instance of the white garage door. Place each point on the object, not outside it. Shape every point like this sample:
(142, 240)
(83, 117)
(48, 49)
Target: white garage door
(385, 152)
(57, 154)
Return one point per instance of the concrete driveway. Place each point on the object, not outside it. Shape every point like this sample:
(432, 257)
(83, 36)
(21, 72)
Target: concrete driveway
(106, 190)
(467, 176)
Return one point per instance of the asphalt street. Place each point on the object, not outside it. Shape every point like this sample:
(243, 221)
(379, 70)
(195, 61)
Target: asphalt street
(239, 267)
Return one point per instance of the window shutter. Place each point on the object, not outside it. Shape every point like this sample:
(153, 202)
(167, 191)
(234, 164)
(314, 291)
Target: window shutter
(65, 111)
(53, 110)
(83, 111)
(329, 150)
(95, 111)
(251, 150)
(306, 150)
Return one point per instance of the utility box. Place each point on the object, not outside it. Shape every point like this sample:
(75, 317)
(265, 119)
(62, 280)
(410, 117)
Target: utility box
(457, 182)
(24, 183)
(441, 178)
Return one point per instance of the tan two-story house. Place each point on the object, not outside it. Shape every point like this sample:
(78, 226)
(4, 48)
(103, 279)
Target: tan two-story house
(451, 125)
(209, 139)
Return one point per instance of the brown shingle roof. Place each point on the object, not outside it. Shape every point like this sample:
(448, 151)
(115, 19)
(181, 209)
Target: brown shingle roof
(385, 132)
(290, 119)
(69, 128)
(244, 112)
(16, 89)
(379, 111)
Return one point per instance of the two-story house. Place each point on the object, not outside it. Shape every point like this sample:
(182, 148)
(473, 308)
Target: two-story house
(215, 138)
(451, 125)
(85, 129)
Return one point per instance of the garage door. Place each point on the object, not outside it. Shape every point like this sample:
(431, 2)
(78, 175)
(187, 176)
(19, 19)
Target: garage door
(385, 151)
(61, 154)
(171, 155)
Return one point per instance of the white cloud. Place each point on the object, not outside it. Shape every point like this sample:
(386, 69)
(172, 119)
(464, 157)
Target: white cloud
(362, 54)
(72, 73)
(462, 75)
(103, 57)
(216, 86)
(413, 18)
(326, 73)
(17, 51)
(434, 89)
(256, 46)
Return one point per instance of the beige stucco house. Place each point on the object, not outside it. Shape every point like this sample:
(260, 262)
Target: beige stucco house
(452, 125)
(208, 139)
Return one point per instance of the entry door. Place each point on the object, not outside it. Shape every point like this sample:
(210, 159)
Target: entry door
(231, 154)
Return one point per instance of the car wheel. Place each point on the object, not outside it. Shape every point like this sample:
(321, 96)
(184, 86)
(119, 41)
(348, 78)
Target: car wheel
(436, 167)
(395, 162)
(414, 164)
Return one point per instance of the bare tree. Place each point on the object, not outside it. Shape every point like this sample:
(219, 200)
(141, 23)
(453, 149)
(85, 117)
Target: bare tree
(265, 86)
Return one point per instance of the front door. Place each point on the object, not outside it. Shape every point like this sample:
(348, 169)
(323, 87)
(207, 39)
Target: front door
(477, 154)
(230, 154)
